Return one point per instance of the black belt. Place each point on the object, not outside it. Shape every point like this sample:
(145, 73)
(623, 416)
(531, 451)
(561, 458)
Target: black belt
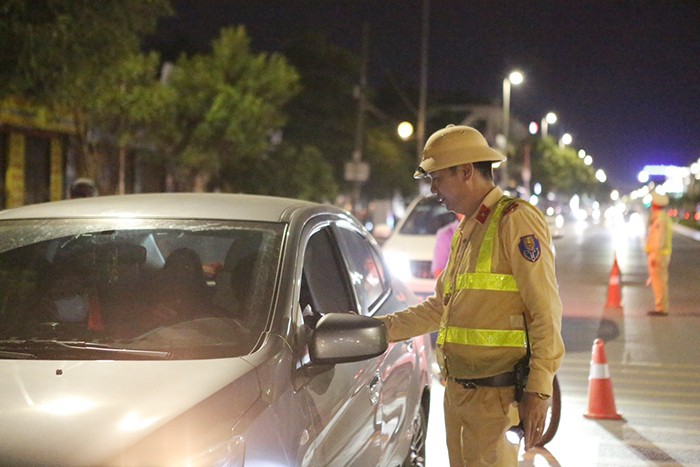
(497, 381)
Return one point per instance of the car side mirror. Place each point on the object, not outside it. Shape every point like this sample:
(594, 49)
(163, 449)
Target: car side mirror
(347, 337)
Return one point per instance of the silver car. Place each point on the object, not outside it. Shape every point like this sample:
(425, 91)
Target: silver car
(202, 329)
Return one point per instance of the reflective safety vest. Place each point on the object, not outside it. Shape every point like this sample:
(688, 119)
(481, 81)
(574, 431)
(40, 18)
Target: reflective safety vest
(484, 279)
(667, 231)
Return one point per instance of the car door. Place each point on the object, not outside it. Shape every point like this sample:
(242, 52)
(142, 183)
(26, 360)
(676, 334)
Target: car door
(342, 399)
(399, 370)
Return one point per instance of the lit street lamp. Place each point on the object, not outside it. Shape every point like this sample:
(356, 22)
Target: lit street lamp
(549, 119)
(405, 130)
(514, 78)
(600, 175)
(565, 140)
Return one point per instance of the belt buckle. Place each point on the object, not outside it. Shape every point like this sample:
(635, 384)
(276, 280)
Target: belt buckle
(468, 385)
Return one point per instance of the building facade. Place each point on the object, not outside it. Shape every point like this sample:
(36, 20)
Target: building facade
(33, 154)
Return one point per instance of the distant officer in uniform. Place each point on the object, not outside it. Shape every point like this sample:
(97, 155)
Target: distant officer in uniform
(498, 291)
(658, 250)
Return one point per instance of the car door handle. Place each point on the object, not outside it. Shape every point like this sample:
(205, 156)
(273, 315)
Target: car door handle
(375, 387)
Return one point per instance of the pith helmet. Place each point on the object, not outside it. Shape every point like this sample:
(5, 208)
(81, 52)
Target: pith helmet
(658, 199)
(455, 145)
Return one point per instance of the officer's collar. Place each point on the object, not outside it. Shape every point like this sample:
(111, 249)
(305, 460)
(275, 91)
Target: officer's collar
(484, 209)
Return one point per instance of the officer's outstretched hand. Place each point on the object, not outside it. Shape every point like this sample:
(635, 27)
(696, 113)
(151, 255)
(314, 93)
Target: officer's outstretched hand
(533, 411)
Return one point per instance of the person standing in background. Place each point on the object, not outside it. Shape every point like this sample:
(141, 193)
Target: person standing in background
(658, 249)
(82, 188)
(443, 240)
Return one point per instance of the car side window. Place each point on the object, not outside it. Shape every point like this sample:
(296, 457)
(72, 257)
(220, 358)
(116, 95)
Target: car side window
(324, 283)
(366, 269)
(427, 217)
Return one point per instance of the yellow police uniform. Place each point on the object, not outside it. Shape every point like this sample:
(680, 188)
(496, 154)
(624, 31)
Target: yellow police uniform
(658, 249)
(499, 282)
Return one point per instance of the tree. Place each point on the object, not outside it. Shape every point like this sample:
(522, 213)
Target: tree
(293, 172)
(130, 104)
(324, 115)
(229, 103)
(392, 164)
(58, 45)
(558, 169)
(62, 49)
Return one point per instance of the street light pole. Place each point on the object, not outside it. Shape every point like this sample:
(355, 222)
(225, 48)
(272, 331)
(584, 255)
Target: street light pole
(514, 78)
(549, 119)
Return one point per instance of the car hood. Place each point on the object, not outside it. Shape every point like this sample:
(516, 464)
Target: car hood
(85, 412)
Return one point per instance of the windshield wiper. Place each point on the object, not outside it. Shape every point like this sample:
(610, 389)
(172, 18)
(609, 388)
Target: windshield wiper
(59, 349)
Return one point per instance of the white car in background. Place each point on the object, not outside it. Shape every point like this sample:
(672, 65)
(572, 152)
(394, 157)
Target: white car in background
(409, 249)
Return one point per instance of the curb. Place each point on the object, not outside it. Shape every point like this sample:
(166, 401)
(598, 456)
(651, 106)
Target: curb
(687, 231)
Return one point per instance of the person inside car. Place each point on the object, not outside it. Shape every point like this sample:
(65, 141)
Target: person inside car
(69, 299)
(180, 290)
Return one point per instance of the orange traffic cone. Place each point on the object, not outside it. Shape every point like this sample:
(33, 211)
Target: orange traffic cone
(614, 292)
(601, 401)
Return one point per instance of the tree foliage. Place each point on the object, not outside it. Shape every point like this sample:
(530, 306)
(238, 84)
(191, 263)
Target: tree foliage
(325, 114)
(60, 47)
(294, 173)
(129, 106)
(63, 50)
(392, 165)
(557, 169)
(229, 103)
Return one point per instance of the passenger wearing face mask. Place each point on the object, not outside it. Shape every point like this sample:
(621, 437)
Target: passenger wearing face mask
(69, 300)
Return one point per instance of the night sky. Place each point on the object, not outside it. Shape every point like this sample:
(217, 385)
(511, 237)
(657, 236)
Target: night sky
(623, 76)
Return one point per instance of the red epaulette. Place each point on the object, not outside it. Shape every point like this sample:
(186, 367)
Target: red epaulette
(483, 214)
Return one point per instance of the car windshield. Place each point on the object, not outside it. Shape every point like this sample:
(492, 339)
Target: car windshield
(135, 289)
(427, 217)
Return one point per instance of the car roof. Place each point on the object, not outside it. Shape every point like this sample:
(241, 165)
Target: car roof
(170, 205)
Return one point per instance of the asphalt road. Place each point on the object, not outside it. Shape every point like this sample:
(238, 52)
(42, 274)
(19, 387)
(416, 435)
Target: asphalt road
(654, 362)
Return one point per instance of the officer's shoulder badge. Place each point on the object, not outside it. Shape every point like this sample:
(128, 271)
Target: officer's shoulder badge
(530, 247)
(510, 208)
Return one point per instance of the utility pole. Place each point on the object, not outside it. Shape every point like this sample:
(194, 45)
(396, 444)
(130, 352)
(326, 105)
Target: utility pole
(423, 96)
(357, 171)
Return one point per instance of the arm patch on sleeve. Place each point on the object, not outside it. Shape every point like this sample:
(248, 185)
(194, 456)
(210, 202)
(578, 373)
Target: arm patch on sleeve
(530, 248)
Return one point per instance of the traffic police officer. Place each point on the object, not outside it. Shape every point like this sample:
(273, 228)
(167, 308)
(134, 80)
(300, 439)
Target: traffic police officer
(495, 303)
(658, 249)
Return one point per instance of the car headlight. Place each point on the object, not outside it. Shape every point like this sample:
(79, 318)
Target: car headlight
(559, 221)
(399, 264)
